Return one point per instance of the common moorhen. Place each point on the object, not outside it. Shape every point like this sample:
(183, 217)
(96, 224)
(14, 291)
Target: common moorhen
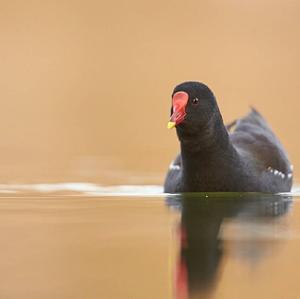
(244, 156)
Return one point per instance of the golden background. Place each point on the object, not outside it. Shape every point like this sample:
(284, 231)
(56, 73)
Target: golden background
(85, 85)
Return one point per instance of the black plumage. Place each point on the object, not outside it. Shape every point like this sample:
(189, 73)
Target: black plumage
(244, 156)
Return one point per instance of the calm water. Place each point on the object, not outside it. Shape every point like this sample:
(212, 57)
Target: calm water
(85, 92)
(88, 241)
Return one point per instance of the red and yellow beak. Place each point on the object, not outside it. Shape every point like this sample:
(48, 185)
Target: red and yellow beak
(179, 102)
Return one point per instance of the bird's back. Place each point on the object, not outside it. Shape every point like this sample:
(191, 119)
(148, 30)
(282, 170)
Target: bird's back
(255, 142)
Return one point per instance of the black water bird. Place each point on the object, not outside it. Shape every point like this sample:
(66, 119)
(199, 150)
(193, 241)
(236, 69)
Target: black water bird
(244, 156)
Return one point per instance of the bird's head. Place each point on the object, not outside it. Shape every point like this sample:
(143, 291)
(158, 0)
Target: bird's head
(193, 106)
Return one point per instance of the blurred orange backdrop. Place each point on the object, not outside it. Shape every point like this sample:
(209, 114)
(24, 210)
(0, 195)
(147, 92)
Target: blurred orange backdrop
(85, 85)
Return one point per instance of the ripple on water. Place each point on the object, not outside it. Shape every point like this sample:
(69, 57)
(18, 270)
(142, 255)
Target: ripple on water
(86, 189)
(91, 189)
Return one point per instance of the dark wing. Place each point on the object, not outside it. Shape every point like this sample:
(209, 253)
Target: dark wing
(252, 136)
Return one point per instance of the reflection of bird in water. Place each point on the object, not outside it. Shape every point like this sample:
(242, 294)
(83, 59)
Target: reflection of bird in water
(199, 234)
(245, 156)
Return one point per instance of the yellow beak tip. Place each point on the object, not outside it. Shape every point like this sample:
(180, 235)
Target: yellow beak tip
(171, 124)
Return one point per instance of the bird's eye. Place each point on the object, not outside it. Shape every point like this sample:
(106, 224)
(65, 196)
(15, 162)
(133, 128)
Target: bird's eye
(195, 101)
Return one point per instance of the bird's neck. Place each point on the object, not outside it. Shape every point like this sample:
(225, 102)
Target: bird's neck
(209, 140)
(207, 152)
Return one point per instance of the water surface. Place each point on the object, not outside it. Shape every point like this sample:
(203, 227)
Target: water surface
(90, 241)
